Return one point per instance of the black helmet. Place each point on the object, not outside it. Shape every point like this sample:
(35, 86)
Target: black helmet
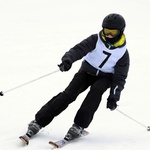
(114, 21)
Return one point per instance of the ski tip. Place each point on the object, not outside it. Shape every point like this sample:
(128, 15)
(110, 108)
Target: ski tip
(24, 140)
(53, 144)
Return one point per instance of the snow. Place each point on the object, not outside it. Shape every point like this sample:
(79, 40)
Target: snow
(34, 35)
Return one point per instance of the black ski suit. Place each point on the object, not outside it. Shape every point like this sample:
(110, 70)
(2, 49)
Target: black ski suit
(87, 76)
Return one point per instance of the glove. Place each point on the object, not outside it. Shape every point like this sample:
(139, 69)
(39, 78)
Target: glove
(114, 96)
(65, 65)
(111, 103)
(1, 93)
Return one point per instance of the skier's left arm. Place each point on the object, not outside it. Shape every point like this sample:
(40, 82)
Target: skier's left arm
(118, 81)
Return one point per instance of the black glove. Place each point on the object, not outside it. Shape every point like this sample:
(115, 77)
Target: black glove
(111, 103)
(65, 65)
(114, 96)
(1, 93)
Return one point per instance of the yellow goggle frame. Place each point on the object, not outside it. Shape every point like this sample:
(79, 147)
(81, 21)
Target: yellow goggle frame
(113, 32)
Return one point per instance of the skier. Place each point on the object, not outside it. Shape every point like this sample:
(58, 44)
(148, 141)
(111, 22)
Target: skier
(105, 65)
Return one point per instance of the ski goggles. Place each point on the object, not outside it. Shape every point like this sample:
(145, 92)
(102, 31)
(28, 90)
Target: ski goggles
(112, 32)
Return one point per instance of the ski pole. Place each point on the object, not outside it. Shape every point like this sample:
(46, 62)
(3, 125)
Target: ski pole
(19, 86)
(147, 127)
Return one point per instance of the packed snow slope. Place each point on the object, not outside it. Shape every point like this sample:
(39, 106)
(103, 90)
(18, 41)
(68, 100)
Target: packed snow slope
(34, 34)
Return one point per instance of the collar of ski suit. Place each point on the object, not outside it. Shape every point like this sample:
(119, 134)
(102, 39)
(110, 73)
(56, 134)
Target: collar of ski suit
(121, 42)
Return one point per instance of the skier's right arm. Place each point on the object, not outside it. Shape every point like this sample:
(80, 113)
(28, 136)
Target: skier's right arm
(78, 52)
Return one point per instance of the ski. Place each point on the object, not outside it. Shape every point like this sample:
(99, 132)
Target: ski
(58, 144)
(63, 142)
(24, 139)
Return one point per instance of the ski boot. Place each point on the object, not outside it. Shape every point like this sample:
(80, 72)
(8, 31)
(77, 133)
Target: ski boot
(33, 128)
(74, 132)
